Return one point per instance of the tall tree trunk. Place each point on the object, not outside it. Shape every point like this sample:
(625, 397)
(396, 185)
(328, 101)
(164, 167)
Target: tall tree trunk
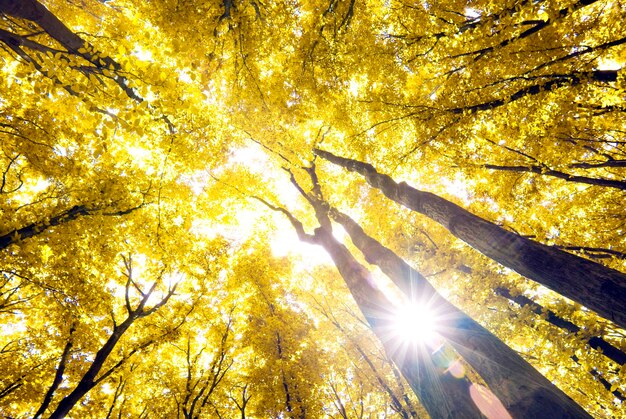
(441, 394)
(521, 388)
(595, 286)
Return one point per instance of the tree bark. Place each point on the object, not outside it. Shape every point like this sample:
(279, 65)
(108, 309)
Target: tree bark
(534, 29)
(441, 394)
(595, 286)
(521, 388)
(35, 12)
(35, 228)
(558, 81)
(58, 376)
(89, 379)
(607, 163)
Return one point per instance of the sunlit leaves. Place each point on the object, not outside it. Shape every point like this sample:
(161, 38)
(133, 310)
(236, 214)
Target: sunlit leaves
(171, 115)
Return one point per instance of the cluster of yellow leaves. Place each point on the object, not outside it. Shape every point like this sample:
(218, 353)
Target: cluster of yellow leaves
(209, 100)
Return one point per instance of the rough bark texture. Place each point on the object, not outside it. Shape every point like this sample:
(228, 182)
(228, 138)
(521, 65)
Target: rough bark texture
(522, 389)
(441, 394)
(595, 286)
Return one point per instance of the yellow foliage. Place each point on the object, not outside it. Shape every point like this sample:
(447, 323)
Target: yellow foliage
(134, 160)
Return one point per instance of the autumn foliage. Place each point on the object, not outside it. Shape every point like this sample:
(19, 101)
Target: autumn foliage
(215, 208)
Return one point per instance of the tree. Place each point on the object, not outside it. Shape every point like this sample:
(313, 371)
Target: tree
(501, 368)
(506, 373)
(582, 280)
(139, 131)
(432, 383)
(92, 376)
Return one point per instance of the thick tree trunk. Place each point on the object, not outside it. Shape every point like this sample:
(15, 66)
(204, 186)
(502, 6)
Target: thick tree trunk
(521, 388)
(595, 286)
(441, 394)
(36, 12)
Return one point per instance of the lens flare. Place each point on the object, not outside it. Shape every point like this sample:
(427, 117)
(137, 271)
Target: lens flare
(487, 402)
(415, 323)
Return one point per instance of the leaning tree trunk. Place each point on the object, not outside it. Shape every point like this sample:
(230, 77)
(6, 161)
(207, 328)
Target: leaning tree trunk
(595, 286)
(36, 13)
(441, 394)
(521, 388)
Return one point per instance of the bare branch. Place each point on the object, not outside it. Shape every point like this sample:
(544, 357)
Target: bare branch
(58, 377)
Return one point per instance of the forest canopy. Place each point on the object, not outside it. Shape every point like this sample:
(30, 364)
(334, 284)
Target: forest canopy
(335, 208)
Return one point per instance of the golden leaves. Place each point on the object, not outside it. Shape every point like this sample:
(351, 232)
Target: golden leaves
(139, 122)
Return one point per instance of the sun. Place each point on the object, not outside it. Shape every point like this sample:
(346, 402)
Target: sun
(415, 323)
